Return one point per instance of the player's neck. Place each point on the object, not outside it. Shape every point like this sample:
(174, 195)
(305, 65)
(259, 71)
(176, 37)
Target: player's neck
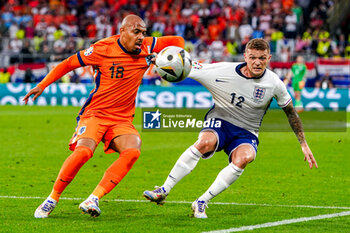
(246, 73)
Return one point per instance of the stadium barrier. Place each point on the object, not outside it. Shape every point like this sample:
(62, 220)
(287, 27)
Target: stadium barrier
(65, 94)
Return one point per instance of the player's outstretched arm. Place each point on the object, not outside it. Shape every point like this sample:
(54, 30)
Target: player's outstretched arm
(166, 41)
(297, 127)
(56, 73)
(36, 91)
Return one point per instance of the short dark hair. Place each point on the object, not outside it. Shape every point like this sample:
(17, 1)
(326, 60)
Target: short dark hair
(258, 44)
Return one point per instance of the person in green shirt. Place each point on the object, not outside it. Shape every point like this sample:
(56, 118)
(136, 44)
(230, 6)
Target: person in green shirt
(298, 74)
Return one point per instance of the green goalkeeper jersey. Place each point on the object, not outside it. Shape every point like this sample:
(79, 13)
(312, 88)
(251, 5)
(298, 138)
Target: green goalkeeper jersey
(299, 72)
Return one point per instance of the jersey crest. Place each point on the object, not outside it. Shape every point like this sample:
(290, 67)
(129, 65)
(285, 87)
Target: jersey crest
(259, 93)
(196, 65)
(88, 51)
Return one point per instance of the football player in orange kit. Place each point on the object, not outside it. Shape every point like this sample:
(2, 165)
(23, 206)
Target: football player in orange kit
(119, 62)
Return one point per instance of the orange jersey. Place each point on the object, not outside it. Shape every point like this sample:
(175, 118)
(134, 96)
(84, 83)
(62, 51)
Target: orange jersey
(118, 74)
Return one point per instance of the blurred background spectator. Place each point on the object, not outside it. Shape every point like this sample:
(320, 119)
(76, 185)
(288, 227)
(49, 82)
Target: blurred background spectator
(5, 76)
(218, 30)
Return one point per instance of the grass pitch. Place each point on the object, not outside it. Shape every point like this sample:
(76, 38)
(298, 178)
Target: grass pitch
(277, 186)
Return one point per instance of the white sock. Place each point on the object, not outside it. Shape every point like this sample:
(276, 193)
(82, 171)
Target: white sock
(184, 165)
(92, 196)
(225, 178)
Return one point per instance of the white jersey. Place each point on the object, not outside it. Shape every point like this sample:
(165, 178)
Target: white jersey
(237, 99)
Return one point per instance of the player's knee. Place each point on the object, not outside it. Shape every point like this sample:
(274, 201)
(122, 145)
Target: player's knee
(83, 152)
(205, 145)
(241, 160)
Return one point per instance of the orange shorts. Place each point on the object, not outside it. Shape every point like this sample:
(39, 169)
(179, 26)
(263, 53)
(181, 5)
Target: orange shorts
(101, 129)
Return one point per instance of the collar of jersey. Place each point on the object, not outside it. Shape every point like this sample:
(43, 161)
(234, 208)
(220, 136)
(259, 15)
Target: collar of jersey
(238, 70)
(126, 51)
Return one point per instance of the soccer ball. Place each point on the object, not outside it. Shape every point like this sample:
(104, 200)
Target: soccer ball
(173, 64)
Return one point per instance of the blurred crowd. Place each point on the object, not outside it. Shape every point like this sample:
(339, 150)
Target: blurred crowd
(46, 31)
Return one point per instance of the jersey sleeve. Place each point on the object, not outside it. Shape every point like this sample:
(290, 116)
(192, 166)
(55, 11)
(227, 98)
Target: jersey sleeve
(197, 71)
(94, 55)
(160, 43)
(281, 94)
(203, 71)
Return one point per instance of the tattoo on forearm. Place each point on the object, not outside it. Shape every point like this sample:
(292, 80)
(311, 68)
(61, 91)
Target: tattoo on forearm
(295, 122)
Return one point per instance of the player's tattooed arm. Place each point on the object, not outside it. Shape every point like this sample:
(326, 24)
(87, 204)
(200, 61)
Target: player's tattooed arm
(295, 122)
(297, 127)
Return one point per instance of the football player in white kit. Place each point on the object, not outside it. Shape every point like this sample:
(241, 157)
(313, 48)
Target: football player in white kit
(242, 93)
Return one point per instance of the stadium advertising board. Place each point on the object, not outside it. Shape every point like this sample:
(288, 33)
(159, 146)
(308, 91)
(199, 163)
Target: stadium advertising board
(161, 97)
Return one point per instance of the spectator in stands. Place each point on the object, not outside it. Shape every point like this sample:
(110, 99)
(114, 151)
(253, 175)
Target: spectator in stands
(204, 13)
(298, 11)
(245, 30)
(28, 76)
(91, 29)
(300, 45)
(205, 56)
(199, 29)
(50, 31)
(21, 33)
(13, 30)
(180, 27)
(232, 33)
(246, 4)
(239, 14)
(217, 48)
(187, 11)
(201, 43)
(5, 76)
(3, 29)
(58, 34)
(15, 47)
(258, 33)
(189, 30)
(169, 28)
(26, 53)
(285, 54)
(41, 26)
(44, 53)
(324, 47)
(71, 46)
(325, 81)
(214, 30)
(232, 47)
(158, 28)
(347, 51)
(59, 47)
(265, 20)
(29, 30)
(341, 42)
(104, 28)
(284, 43)
(290, 25)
